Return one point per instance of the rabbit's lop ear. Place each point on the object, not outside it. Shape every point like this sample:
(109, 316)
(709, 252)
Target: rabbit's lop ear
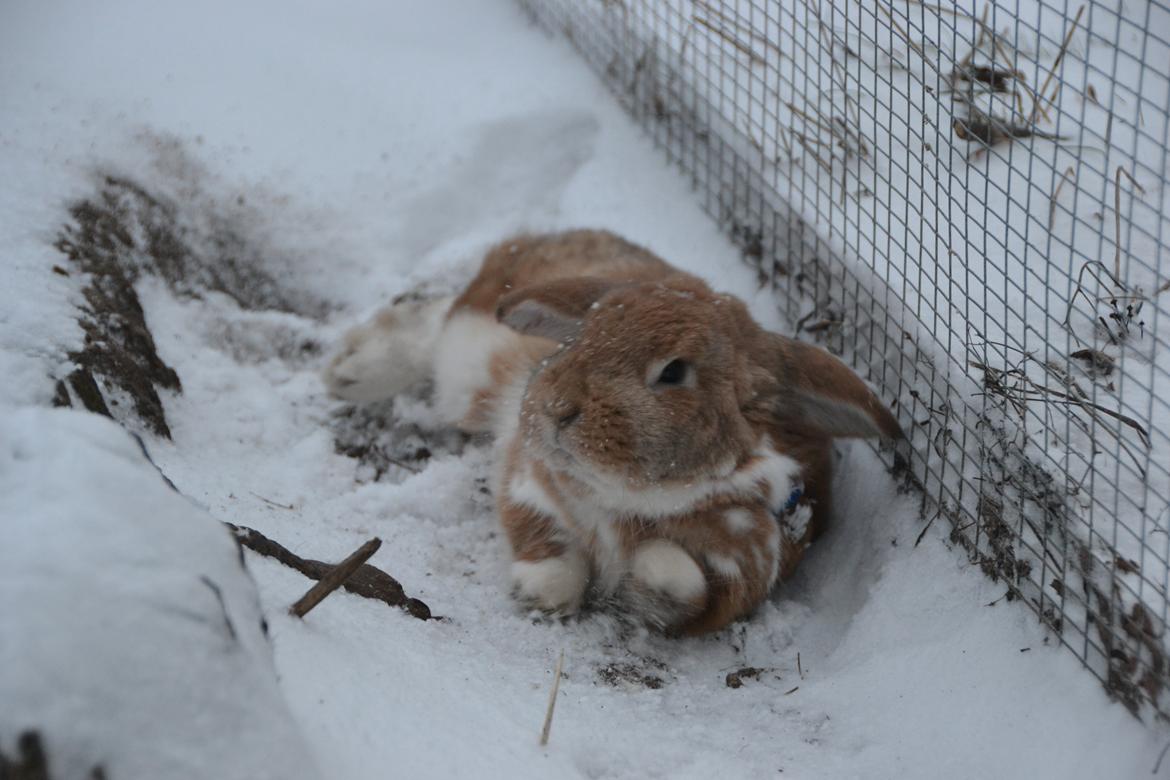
(552, 310)
(822, 393)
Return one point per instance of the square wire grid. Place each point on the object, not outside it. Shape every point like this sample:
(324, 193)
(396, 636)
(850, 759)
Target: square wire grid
(969, 204)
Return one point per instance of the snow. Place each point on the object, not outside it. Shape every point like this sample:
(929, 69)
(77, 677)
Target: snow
(378, 147)
(132, 638)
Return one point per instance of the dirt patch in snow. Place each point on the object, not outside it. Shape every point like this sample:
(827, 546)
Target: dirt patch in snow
(646, 673)
(383, 438)
(29, 762)
(119, 349)
(737, 678)
(196, 244)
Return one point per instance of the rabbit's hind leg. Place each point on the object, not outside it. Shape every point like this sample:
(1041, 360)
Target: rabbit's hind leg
(387, 355)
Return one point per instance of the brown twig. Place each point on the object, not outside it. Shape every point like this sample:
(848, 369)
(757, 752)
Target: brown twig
(1019, 102)
(1039, 99)
(941, 9)
(1051, 396)
(1161, 756)
(335, 578)
(804, 142)
(989, 131)
(1055, 195)
(730, 38)
(917, 49)
(984, 29)
(1026, 390)
(983, 25)
(403, 465)
(270, 502)
(821, 325)
(752, 32)
(815, 120)
(1079, 291)
(925, 528)
(1117, 216)
(552, 701)
(1057, 397)
(368, 582)
(784, 140)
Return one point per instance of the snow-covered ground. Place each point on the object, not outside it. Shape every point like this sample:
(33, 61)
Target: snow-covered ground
(123, 656)
(366, 148)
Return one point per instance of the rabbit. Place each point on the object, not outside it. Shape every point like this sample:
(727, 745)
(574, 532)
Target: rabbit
(656, 448)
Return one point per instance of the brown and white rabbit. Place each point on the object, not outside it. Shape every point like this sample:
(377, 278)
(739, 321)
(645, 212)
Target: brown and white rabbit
(654, 443)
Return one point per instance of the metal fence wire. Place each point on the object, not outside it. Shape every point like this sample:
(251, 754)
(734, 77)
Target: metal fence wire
(969, 203)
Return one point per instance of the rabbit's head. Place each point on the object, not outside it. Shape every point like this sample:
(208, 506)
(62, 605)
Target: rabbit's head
(667, 382)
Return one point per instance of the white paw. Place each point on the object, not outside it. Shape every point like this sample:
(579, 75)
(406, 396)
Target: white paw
(364, 368)
(554, 584)
(667, 569)
(386, 355)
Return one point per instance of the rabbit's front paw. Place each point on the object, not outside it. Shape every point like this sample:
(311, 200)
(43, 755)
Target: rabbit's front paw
(552, 584)
(665, 568)
(667, 586)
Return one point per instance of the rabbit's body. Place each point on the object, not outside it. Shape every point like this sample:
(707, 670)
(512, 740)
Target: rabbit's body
(656, 447)
(690, 562)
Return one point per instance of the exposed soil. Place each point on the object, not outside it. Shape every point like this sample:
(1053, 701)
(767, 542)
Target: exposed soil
(30, 762)
(119, 349)
(380, 439)
(195, 246)
(737, 678)
(646, 673)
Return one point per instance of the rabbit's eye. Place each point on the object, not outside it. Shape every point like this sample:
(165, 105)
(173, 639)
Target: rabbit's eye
(673, 373)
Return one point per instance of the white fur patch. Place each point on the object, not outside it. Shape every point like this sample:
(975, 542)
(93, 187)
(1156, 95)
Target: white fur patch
(723, 565)
(462, 357)
(665, 567)
(554, 583)
(383, 357)
(758, 557)
(506, 415)
(773, 547)
(776, 470)
(595, 524)
(739, 521)
(772, 543)
(524, 489)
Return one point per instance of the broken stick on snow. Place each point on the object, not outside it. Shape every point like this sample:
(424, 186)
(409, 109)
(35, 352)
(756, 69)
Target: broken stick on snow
(334, 579)
(369, 581)
(552, 701)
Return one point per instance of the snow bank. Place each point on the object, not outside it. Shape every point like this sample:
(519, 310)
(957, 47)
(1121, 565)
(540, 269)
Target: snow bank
(131, 637)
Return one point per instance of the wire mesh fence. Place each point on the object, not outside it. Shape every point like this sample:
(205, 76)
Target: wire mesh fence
(969, 203)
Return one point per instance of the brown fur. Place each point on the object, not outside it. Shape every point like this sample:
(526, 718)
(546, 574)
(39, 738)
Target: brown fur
(524, 261)
(593, 414)
(531, 534)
